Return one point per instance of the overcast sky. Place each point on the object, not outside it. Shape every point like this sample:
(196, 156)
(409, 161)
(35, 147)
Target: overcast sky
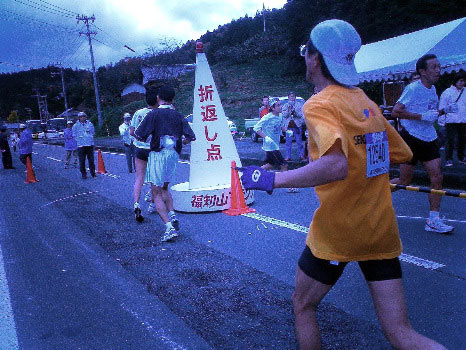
(37, 33)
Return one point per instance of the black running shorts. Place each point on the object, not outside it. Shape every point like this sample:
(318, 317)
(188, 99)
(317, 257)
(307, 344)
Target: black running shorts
(274, 157)
(422, 150)
(142, 154)
(328, 272)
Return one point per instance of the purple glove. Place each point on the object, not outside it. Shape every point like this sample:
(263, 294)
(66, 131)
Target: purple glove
(256, 178)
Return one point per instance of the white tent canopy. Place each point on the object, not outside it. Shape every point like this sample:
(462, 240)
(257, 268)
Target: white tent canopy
(395, 58)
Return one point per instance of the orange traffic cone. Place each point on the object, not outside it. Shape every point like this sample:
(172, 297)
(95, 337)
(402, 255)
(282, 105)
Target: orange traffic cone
(100, 163)
(238, 203)
(30, 177)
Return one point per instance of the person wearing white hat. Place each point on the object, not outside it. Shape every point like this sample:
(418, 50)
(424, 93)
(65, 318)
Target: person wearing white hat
(128, 141)
(83, 132)
(270, 127)
(71, 146)
(25, 144)
(351, 146)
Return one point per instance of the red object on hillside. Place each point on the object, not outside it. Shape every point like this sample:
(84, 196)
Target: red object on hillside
(199, 47)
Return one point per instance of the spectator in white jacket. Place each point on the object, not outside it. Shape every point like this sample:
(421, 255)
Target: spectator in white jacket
(453, 106)
(83, 132)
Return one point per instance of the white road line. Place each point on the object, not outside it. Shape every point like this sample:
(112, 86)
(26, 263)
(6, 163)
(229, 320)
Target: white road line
(111, 175)
(277, 222)
(8, 337)
(55, 159)
(159, 333)
(69, 197)
(427, 264)
(118, 154)
(421, 218)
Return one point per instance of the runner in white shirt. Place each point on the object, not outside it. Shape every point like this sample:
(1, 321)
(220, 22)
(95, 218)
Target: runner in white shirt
(142, 150)
(418, 110)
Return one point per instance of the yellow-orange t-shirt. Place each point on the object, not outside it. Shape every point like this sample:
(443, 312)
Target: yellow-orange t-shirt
(355, 220)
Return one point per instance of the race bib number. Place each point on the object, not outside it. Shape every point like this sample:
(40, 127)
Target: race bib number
(377, 154)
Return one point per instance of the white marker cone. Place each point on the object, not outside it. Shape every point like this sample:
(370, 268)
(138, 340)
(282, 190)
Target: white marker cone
(209, 186)
(214, 148)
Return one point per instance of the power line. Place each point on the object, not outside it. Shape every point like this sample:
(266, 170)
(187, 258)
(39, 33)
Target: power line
(19, 16)
(102, 43)
(110, 35)
(61, 8)
(68, 55)
(55, 12)
(16, 65)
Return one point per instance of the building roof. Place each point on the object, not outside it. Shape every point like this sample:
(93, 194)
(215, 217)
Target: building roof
(165, 72)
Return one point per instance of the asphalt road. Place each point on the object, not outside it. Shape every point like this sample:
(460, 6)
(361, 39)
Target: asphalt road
(80, 273)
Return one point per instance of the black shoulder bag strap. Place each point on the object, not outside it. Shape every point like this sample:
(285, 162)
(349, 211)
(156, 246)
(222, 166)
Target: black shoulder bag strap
(459, 95)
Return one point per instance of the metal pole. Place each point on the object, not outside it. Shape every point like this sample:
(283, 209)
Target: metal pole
(429, 190)
(96, 87)
(263, 14)
(64, 93)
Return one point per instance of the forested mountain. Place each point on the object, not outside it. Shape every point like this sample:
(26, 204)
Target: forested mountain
(240, 42)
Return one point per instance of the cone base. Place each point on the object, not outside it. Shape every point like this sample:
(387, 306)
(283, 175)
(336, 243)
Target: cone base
(240, 211)
(208, 199)
(31, 181)
(101, 172)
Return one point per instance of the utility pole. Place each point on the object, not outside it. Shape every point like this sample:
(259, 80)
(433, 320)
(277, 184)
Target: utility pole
(42, 103)
(86, 20)
(263, 14)
(64, 90)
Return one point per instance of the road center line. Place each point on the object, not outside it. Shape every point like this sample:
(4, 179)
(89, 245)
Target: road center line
(427, 264)
(8, 336)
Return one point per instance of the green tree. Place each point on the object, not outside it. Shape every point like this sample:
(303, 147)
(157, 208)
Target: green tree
(13, 117)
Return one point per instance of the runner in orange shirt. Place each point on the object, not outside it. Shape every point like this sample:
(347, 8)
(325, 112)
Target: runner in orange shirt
(351, 145)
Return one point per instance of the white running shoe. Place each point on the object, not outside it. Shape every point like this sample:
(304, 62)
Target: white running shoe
(151, 209)
(175, 223)
(437, 225)
(170, 233)
(148, 197)
(292, 190)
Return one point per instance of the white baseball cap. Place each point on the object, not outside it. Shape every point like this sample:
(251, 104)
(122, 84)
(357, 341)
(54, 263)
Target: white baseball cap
(338, 43)
(22, 126)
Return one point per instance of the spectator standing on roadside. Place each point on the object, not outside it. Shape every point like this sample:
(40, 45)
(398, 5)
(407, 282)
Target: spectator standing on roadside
(270, 128)
(453, 108)
(83, 132)
(142, 150)
(355, 220)
(264, 109)
(25, 144)
(71, 147)
(293, 120)
(167, 128)
(418, 110)
(14, 140)
(128, 141)
(5, 149)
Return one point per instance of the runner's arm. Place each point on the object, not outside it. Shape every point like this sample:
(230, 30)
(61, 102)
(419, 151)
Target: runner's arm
(399, 111)
(332, 166)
